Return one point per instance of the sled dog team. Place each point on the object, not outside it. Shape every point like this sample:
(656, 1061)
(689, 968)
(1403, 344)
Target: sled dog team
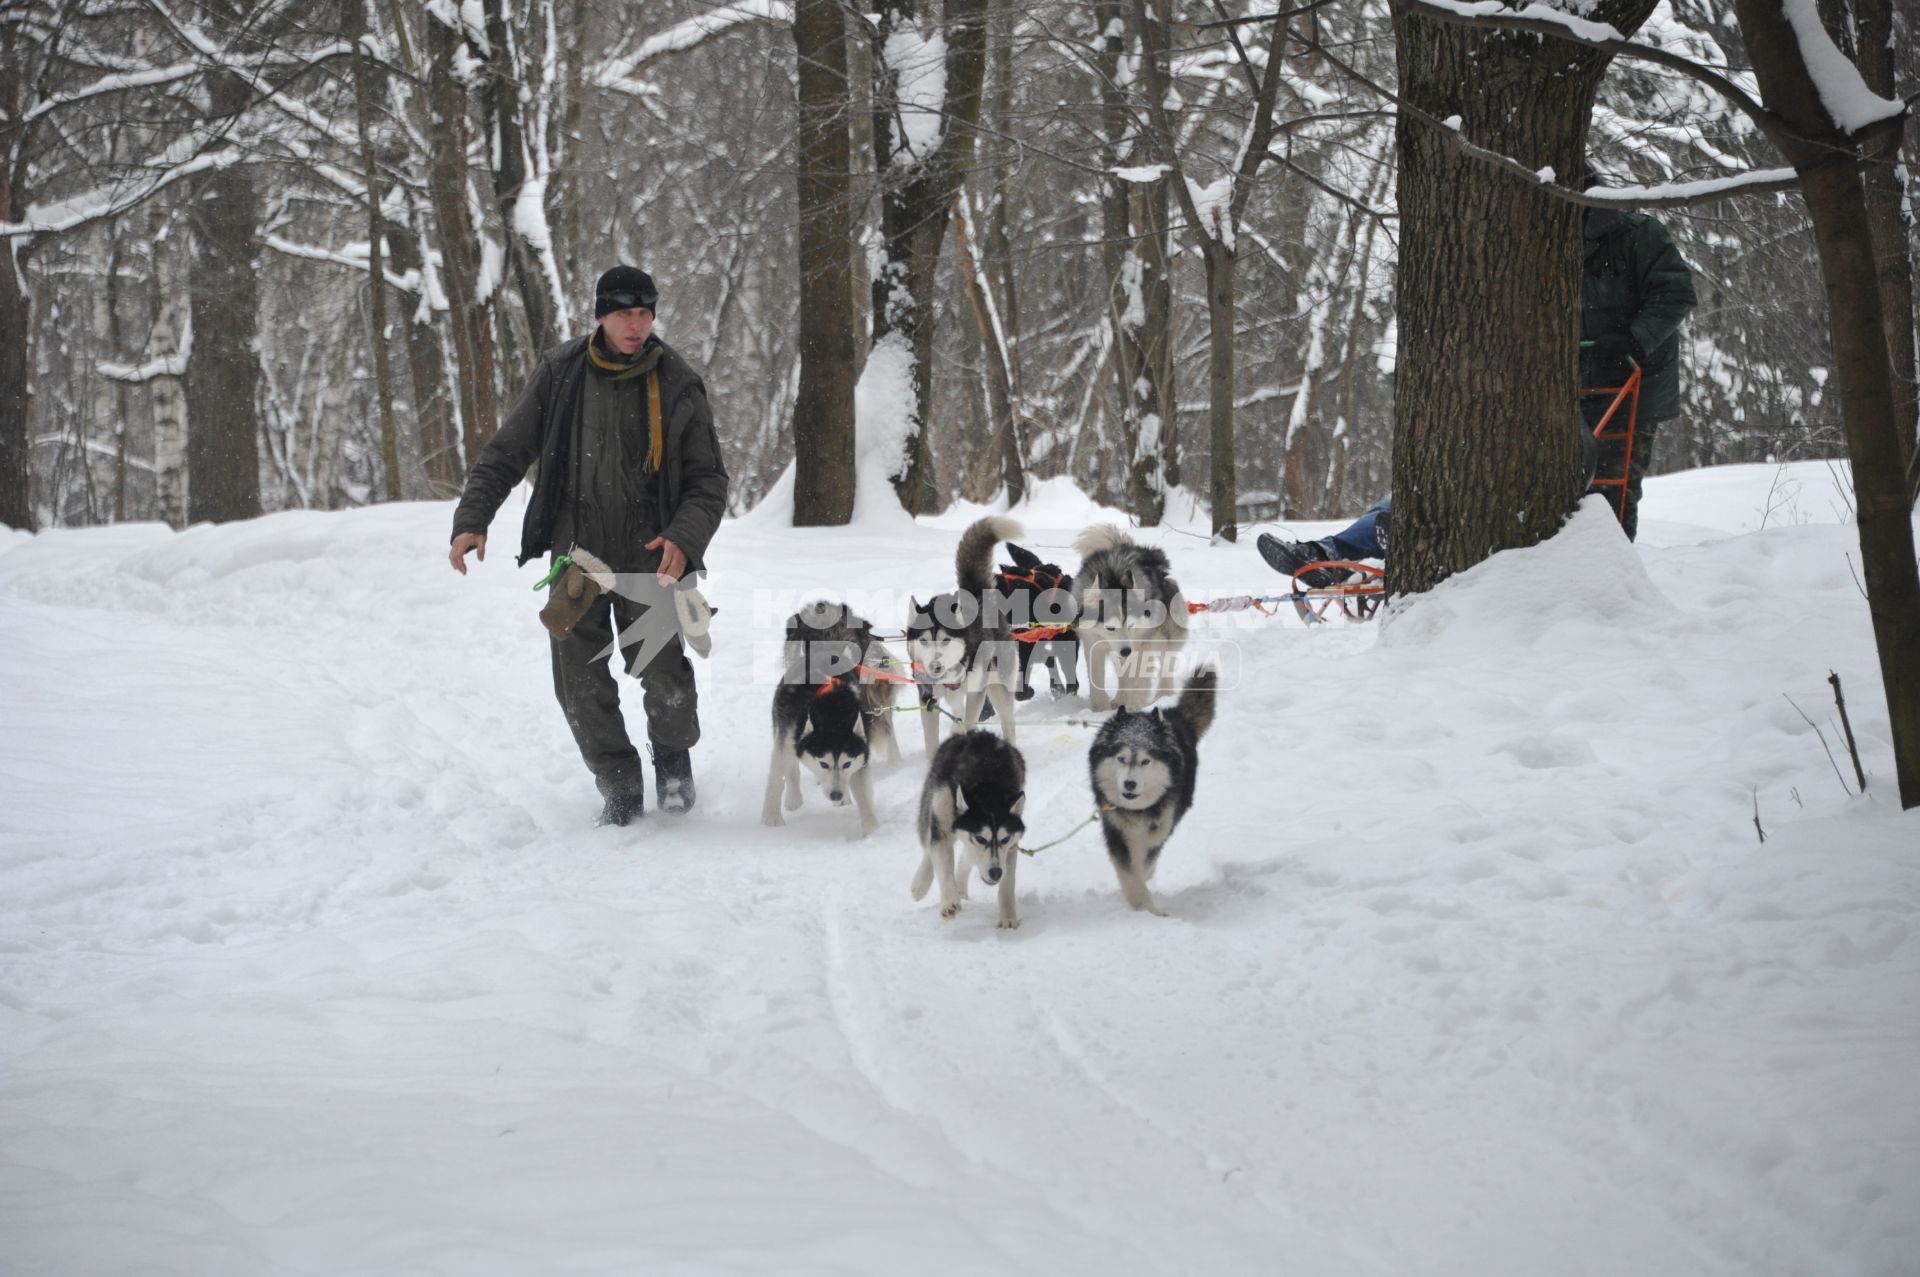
(969, 651)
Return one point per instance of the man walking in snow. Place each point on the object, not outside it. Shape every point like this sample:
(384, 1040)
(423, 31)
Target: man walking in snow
(630, 470)
(1635, 290)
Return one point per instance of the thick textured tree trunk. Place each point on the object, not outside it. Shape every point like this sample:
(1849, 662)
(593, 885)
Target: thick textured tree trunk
(223, 370)
(823, 439)
(1485, 454)
(1222, 494)
(1825, 158)
(469, 316)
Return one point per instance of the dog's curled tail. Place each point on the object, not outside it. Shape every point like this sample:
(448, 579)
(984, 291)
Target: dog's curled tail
(923, 876)
(1101, 536)
(1196, 700)
(973, 561)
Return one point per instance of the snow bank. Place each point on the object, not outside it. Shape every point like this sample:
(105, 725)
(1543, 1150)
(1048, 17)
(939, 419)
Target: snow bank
(310, 960)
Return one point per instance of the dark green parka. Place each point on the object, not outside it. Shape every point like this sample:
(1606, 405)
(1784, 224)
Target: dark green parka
(691, 487)
(1636, 283)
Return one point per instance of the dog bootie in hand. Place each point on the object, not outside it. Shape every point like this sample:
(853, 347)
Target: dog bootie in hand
(583, 578)
(695, 615)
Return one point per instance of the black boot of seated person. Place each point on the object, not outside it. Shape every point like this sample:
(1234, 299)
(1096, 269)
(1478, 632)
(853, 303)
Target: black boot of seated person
(673, 780)
(1288, 557)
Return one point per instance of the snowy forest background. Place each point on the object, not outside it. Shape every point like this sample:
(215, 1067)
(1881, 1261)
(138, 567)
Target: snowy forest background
(198, 273)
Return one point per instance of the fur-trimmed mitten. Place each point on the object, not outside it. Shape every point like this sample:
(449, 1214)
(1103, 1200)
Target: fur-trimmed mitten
(587, 577)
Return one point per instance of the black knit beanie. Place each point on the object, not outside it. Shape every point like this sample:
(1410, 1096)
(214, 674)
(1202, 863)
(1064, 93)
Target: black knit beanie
(623, 288)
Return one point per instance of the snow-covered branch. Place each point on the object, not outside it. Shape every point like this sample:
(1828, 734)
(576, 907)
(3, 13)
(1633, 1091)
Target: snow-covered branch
(621, 73)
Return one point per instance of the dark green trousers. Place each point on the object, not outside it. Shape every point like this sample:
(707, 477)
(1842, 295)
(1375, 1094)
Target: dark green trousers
(584, 684)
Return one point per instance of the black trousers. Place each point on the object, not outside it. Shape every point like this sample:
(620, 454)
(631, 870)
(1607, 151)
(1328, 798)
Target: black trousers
(584, 684)
(1613, 452)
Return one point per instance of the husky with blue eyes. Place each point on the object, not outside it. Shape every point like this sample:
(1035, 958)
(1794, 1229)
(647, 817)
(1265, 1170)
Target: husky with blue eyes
(973, 796)
(1144, 767)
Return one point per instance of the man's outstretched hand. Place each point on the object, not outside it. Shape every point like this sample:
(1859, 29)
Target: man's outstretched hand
(461, 544)
(673, 560)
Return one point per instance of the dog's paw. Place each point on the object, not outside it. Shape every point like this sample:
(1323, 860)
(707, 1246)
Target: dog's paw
(772, 819)
(949, 909)
(1009, 923)
(793, 799)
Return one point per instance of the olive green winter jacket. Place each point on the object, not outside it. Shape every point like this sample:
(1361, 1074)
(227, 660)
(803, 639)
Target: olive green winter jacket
(690, 495)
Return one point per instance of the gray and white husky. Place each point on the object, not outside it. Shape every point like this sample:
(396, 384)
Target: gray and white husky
(829, 712)
(961, 643)
(973, 795)
(1130, 612)
(1144, 767)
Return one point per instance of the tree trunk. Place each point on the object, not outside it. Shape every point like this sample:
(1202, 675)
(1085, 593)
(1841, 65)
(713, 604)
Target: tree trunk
(1222, 494)
(1126, 309)
(223, 368)
(469, 316)
(1886, 214)
(511, 175)
(16, 313)
(1485, 452)
(1825, 159)
(169, 397)
(916, 198)
(977, 288)
(426, 362)
(823, 436)
(356, 27)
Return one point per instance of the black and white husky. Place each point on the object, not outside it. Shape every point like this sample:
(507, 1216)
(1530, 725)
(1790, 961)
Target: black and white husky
(1130, 612)
(1144, 767)
(974, 792)
(829, 712)
(963, 651)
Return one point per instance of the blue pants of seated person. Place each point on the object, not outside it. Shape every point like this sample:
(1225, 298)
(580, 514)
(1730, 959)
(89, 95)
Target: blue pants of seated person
(1361, 538)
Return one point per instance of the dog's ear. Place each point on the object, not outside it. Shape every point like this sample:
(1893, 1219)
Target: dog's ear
(959, 801)
(1019, 803)
(1022, 556)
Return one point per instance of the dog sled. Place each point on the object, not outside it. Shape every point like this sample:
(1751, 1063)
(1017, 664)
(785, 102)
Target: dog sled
(1360, 592)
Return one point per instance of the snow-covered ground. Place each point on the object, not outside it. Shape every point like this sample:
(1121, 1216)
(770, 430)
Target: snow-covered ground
(311, 962)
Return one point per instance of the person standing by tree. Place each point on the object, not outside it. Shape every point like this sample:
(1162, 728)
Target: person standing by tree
(630, 470)
(1636, 289)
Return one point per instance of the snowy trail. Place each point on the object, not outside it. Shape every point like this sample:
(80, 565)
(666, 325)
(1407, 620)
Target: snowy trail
(309, 962)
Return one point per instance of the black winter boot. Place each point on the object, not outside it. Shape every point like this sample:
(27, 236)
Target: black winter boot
(623, 808)
(673, 779)
(1288, 557)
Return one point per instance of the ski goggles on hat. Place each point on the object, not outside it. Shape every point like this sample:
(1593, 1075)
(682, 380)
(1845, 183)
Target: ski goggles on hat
(607, 303)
